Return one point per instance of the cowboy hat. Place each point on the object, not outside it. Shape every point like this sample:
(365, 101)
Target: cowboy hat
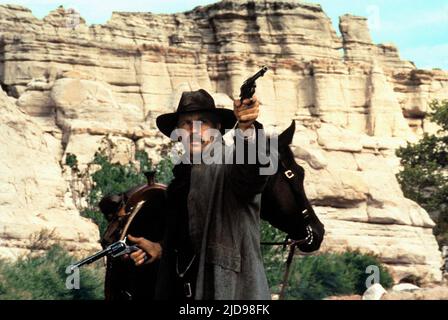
(195, 101)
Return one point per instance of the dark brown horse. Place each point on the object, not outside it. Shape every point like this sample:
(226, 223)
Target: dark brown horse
(284, 203)
(285, 206)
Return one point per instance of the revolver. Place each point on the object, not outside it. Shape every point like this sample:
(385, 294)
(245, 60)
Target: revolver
(248, 88)
(115, 250)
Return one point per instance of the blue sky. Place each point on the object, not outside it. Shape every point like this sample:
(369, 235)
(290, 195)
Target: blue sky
(418, 27)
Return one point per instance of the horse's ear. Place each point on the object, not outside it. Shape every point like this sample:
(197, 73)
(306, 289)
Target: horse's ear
(285, 138)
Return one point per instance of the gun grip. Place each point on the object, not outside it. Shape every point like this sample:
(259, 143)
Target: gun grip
(250, 94)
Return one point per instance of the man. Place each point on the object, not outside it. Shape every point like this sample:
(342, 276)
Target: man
(212, 244)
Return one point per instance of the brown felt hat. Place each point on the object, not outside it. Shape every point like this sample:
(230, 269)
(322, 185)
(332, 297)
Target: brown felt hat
(195, 101)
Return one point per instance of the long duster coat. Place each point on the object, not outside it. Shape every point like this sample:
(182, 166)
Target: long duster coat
(223, 216)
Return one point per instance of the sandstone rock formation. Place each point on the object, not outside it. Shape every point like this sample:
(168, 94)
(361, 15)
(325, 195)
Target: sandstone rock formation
(351, 181)
(33, 194)
(83, 86)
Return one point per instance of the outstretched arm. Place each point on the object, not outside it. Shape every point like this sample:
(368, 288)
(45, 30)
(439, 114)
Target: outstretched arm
(244, 174)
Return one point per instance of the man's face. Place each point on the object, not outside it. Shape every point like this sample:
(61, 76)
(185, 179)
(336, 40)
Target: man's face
(197, 125)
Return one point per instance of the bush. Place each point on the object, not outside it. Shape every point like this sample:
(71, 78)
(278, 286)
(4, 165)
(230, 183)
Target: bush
(273, 256)
(71, 160)
(332, 274)
(115, 178)
(318, 276)
(97, 217)
(43, 278)
(164, 172)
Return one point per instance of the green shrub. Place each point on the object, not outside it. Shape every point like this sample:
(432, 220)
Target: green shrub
(273, 256)
(115, 178)
(164, 171)
(97, 217)
(358, 262)
(71, 160)
(43, 278)
(318, 276)
(143, 159)
(112, 178)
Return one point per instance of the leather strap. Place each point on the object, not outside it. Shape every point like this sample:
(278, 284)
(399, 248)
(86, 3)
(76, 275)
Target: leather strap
(128, 223)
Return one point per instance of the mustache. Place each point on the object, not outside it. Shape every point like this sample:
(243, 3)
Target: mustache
(196, 138)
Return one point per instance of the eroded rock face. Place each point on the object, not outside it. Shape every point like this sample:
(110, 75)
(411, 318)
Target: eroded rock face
(355, 192)
(32, 190)
(359, 47)
(87, 87)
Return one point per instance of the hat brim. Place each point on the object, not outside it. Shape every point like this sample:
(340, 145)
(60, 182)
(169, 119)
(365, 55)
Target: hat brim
(167, 123)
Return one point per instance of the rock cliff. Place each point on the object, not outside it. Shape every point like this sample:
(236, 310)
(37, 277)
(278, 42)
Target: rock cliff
(71, 86)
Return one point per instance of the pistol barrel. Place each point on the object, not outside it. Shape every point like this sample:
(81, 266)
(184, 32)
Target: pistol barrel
(259, 74)
(114, 250)
(91, 259)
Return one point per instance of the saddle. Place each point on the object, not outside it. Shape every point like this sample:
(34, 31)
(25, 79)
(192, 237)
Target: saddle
(139, 212)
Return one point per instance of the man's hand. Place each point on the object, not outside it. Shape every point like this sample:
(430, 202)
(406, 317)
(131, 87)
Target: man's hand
(148, 253)
(246, 112)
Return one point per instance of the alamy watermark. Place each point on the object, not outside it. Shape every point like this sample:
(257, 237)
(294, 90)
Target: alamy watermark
(73, 280)
(73, 18)
(252, 149)
(374, 276)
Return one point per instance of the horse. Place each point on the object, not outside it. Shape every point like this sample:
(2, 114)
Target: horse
(285, 206)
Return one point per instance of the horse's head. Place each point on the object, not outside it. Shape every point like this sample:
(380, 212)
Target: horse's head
(284, 197)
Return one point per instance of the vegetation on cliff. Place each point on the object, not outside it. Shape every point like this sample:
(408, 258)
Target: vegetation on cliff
(115, 178)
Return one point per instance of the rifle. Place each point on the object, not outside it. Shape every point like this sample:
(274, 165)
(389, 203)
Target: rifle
(115, 250)
(248, 88)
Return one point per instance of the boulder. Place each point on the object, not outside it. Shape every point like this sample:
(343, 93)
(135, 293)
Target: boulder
(374, 292)
(405, 287)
